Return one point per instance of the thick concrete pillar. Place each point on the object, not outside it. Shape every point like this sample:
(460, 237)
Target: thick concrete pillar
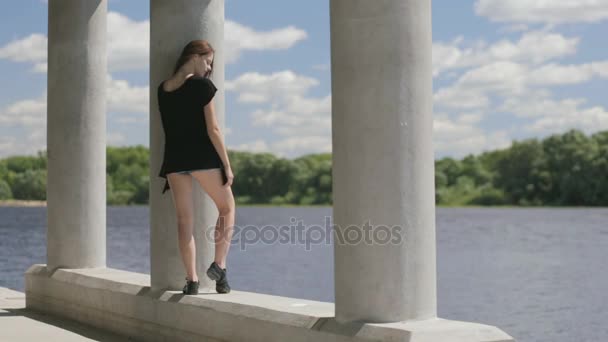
(76, 134)
(172, 25)
(383, 163)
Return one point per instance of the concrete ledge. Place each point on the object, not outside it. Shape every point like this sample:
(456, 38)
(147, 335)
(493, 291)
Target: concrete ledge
(122, 302)
(19, 324)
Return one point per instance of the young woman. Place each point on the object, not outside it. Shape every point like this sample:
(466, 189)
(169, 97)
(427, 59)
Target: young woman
(194, 148)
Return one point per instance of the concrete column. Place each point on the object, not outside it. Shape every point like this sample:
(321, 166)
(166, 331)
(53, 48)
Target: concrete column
(76, 134)
(172, 25)
(383, 163)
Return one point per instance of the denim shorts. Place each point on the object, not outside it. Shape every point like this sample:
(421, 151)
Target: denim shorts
(189, 171)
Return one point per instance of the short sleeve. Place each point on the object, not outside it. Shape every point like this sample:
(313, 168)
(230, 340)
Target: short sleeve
(208, 90)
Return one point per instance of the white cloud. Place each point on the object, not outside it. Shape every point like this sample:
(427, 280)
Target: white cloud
(512, 78)
(239, 38)
(509, 79)
(543, 11)
(533, 47)
(128, 43)
(128, 49)
(548, 115)
(473, 89)
(555, 74)
(470, 118)
(461, 97)
(127, 46)
(124, 97)
(258, 145)
(514, 28)
(297, 145)
(254, 87)
(28, 112)
(302, 122)
(8, 146)
(461, 136)
(27, 115)
(286, 147)
(30, 116)
(116, 139)
(588, 120)
(31, 49)
(522, 90)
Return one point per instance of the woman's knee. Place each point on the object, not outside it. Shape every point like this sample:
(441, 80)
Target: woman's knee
(227, 207)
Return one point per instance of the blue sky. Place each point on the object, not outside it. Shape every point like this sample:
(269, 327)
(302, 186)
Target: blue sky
(503, 70)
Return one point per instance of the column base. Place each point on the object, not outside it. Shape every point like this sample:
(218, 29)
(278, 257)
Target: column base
(428, 330)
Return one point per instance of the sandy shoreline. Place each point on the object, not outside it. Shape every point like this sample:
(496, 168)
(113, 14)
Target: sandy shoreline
(22, 203)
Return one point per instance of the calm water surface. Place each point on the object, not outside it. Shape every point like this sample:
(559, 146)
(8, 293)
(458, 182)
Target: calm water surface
(538, 274)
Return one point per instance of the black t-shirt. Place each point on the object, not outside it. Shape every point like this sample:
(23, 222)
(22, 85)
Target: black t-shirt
(187, 144)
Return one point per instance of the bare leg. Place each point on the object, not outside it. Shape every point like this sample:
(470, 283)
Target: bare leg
(211, 182)
(181, 190)
(223, 236)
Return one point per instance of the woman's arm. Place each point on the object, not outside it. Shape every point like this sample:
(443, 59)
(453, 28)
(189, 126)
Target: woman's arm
(215, 134)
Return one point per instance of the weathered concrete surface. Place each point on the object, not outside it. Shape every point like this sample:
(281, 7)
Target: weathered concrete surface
(383, 161)
(76, 134)
(123, 302)
(20, 324)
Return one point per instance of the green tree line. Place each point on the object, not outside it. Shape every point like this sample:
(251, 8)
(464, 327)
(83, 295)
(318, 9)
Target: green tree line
(569, 169)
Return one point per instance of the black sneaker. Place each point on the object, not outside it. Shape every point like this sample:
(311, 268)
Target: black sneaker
(221, 285)
(220, 275)
(191, 287)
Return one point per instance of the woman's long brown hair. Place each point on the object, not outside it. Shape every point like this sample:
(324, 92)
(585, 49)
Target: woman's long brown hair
(193, 48)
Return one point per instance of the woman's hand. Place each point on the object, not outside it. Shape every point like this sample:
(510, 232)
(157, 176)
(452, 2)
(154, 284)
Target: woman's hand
(230, 176)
